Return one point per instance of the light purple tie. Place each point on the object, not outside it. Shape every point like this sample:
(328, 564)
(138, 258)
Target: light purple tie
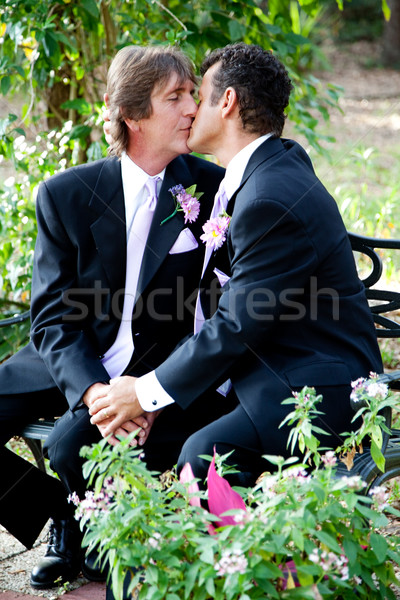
(220, 204)
(118, 356)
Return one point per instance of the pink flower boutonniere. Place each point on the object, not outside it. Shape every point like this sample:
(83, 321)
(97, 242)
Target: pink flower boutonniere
(187, 201)
(215, 230)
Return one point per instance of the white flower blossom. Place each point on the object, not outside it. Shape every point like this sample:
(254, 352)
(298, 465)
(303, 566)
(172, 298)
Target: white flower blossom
(231, 561)
(329, 458)
(380, 496)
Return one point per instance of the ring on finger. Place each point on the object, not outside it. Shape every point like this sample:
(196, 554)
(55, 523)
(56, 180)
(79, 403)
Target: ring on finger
(105, 414)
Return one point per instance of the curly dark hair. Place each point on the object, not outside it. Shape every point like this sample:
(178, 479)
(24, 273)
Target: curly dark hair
(261, 83)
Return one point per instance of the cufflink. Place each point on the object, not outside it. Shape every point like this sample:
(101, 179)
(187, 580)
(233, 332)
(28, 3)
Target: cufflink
(154, 402)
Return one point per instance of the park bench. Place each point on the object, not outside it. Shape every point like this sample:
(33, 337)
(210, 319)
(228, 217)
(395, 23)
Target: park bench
(383, 305)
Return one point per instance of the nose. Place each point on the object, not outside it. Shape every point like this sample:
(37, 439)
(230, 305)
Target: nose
(191, 107)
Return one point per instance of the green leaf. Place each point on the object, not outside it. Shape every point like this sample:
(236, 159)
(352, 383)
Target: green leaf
(236, 31)
(298, 538)
(267, 571)
(379, 546)
(190, 579)
(50, 46)
(5, 84)
(91, 7)
(207, 556)
(377, 456)
(82, 106)
(386, 10)
(329, 541)
(351, 549)
(210, 587)
(94, 151)
(79, 132)
(376, 435)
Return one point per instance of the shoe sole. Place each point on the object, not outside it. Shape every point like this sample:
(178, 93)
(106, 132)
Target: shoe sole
(47, 585)
(100, 577)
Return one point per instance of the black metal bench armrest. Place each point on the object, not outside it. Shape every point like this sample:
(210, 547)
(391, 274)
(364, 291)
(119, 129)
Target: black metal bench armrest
(16, 319)
(391, 379)
(381, 301)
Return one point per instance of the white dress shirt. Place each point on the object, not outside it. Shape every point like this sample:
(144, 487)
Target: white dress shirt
(150, 393)
(134, 179)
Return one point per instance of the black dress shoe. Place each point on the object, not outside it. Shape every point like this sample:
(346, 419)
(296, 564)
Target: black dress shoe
(62, 559)
(92, 568)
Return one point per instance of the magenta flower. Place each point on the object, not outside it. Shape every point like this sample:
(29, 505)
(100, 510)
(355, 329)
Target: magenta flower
(215, 231)
(221, 497)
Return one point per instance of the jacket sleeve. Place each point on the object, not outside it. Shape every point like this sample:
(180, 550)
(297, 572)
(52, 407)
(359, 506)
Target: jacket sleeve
(60, 341)
(271, 253)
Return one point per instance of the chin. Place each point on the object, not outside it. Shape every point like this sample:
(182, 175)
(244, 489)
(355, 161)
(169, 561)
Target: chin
(193, 146)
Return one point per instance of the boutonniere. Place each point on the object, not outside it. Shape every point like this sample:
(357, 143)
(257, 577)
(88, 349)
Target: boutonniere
(215, 230)
(186, 201)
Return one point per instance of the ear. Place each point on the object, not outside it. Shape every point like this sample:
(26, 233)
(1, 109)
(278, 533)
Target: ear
(229, 102)
(132, 125)
(106, 99)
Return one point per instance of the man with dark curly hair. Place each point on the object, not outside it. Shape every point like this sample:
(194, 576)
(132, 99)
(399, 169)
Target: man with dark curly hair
(293, 311)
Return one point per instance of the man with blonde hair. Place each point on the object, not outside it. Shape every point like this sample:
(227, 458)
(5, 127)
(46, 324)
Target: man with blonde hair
(115, 278)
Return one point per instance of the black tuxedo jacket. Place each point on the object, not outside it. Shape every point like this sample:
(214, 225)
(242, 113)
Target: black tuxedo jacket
(79, 277)
(294, 312)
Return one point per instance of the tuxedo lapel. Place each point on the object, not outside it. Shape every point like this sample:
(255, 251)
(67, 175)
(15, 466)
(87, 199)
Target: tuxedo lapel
(162, 237)
(272, 147)
(109, 229)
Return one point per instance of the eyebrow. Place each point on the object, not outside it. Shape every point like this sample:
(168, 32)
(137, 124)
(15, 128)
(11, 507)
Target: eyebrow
(180, 88)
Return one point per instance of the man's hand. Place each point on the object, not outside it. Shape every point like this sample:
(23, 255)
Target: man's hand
(99, 391)
(118, 406)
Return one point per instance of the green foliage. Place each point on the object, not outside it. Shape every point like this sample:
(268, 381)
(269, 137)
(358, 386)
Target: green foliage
(359, 20)
(14, 335)
(301, 534)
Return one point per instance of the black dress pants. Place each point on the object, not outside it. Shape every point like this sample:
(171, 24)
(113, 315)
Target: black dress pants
(28, 497)
(169, 432)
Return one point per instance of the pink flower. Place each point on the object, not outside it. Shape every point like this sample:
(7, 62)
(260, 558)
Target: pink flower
(187, 476)
(215, 231)
(191, 209)
(186, 201)
(329, 458)
(221, 497)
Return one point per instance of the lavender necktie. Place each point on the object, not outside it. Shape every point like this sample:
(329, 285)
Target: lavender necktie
(219, 207)
(220, 204)
(118, 356)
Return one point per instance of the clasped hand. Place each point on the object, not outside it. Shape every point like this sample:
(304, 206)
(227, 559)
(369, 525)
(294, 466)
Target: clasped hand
(116, 410)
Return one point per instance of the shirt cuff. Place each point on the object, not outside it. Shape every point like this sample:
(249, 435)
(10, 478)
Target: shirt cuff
(151, 394)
